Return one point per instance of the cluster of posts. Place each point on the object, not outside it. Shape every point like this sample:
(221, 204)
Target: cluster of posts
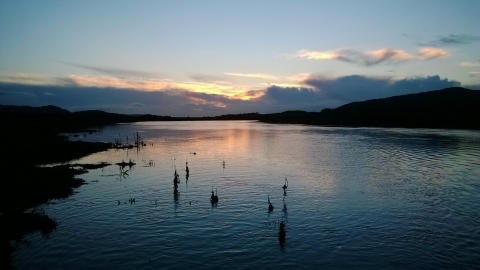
(214, 200)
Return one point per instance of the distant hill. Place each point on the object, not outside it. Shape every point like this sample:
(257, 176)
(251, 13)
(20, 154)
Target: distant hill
(450, 99)
(56, 119)
(32, 110)
(454, 107)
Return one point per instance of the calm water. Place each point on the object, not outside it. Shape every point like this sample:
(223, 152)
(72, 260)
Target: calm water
(362, 198)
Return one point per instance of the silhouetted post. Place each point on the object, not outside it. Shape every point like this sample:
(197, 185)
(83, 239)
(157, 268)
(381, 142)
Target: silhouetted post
(214, 197)
(270, 206)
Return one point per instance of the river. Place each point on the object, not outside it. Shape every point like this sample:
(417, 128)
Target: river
(361, 198)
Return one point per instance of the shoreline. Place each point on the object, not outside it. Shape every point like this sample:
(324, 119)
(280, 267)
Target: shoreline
(29, 185)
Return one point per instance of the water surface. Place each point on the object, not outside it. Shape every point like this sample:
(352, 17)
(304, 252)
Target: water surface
(363, 198)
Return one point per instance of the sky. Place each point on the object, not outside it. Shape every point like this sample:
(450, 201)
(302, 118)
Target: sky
(209, 58)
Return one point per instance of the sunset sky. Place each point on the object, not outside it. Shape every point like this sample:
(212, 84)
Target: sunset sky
(207, 58)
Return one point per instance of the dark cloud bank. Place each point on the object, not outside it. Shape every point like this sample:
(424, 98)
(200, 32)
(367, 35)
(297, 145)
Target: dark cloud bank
(323, 93)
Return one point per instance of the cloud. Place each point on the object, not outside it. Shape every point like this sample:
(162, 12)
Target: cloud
(31, 79)
(15, 95)
(356, 57)
(473, 86)
(319, 93)
(319, 55)
(431, 53)
(452, 40)
(294, 80)
(347, 89)
(139, 84)
(470, 64)
(106, 81)
(252, 75)
(333, 92)
(118, 72)
(198, 83)
(292, 95)
(278, 99)
(174, 102)
(474, 73)
(206, 78)
(86, 80)
(251, 94)
(371, 58)
(299, 77)
(294, 85)
(379, 56)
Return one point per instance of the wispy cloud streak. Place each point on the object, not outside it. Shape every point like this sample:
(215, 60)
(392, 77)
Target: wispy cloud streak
(107, 81)
(356, 57)
(371, 58)
(431, 53)
(114, 71)
(252, 75)
(138, 84)
(31, 79)
(452, 40)
(470, 64)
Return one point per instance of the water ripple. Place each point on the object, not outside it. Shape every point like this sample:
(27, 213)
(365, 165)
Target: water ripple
(357, 198)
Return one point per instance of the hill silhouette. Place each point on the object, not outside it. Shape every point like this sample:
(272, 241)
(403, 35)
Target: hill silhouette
(50, 109)
(449, 100)
(454, 107)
